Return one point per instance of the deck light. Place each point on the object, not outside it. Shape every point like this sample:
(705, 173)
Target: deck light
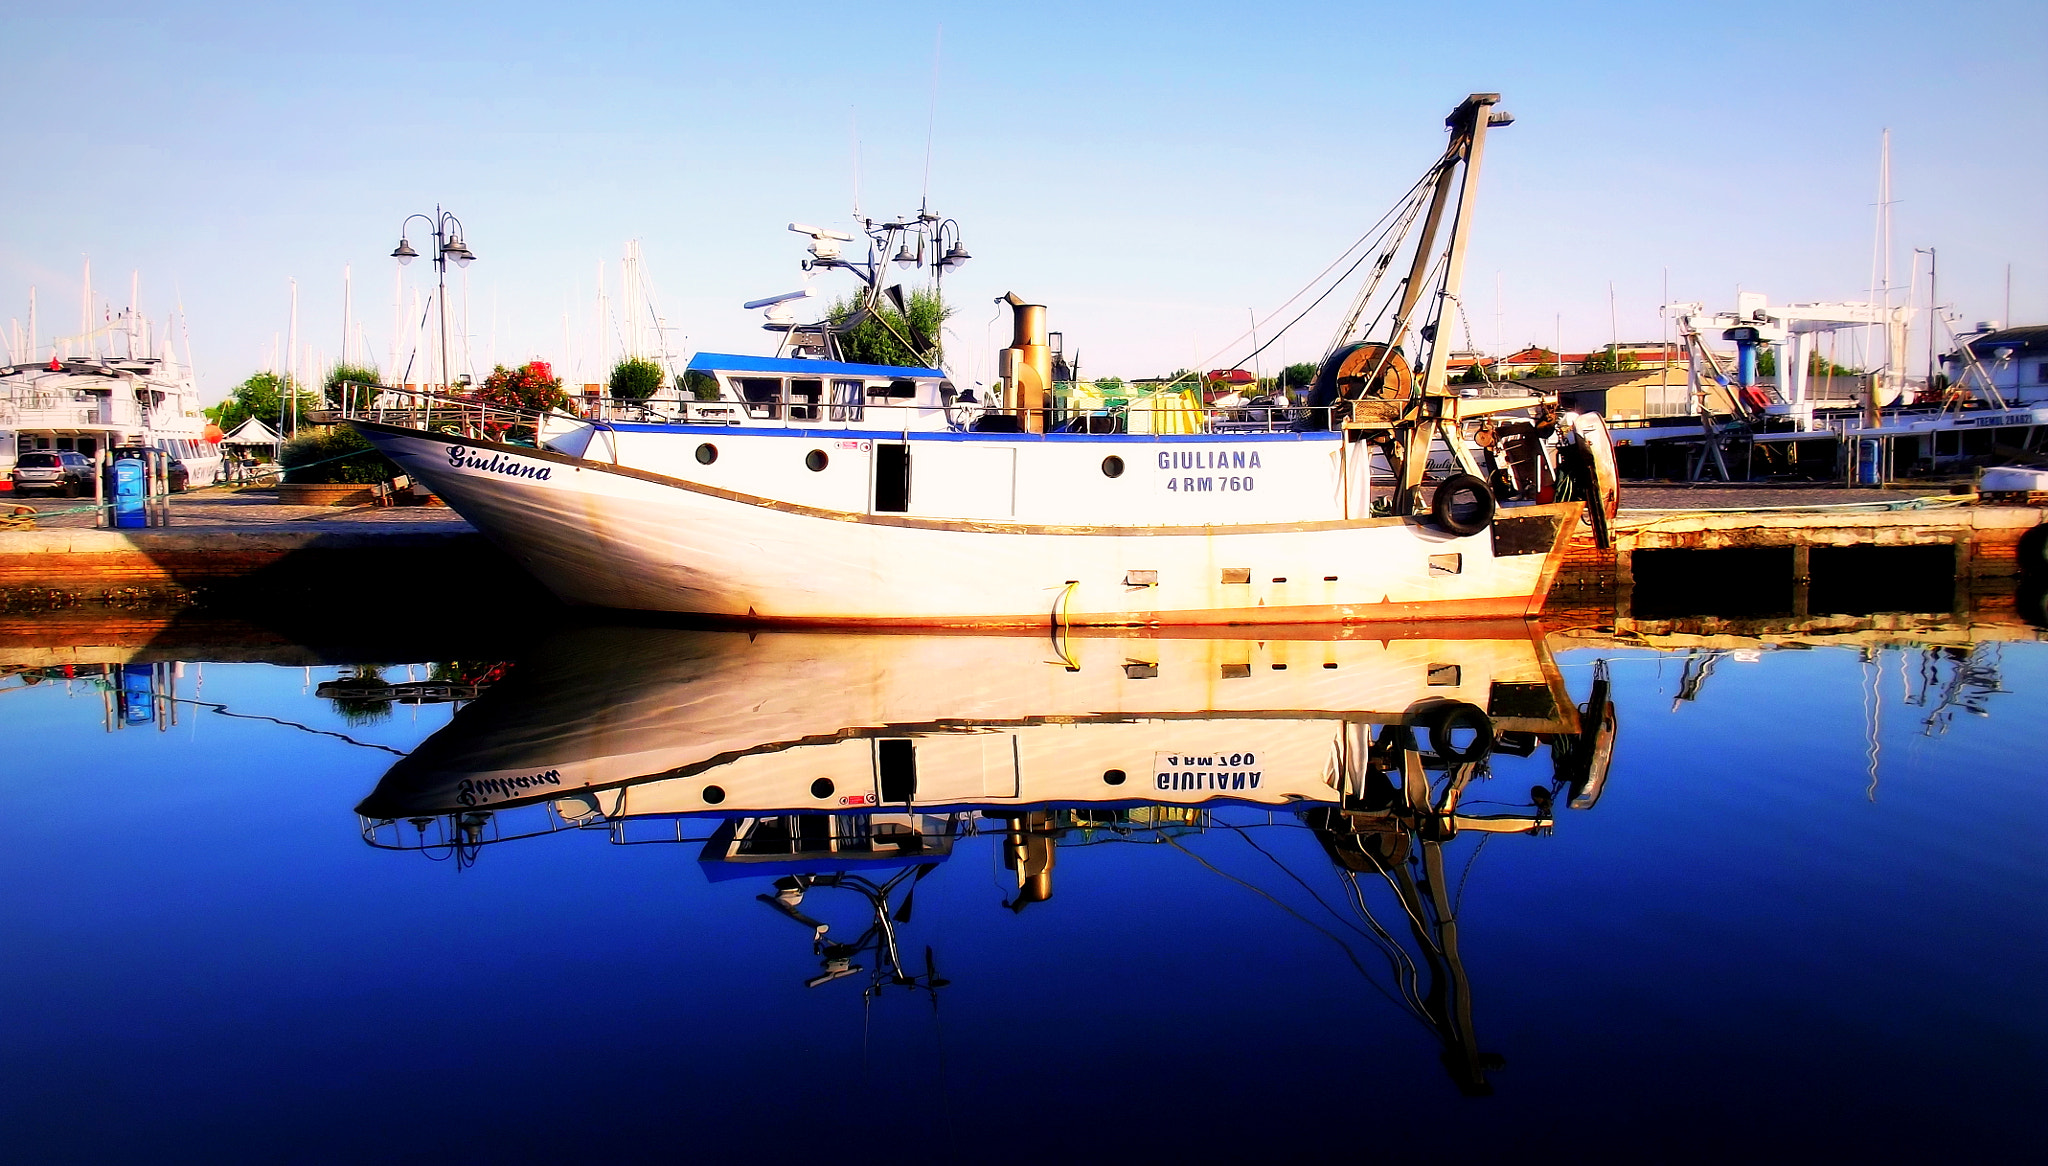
(404, 254)
(957, 257)
(903, 256)
(462, 255)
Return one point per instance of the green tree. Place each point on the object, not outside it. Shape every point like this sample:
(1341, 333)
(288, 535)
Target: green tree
(368, 701)
(361, 374)
(888, 336)
(1816, 364)
(262, 395)
(1110, 386)
(695, 382)
(634, 379)
(1608, 359)
(1540, 371)
(1299, 376)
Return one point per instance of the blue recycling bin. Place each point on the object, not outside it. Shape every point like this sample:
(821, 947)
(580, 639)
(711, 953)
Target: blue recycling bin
(127, 488)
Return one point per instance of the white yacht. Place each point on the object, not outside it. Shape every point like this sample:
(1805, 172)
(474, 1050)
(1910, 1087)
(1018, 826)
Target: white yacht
(94, 402)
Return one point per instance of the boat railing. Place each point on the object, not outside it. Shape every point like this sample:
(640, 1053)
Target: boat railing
(434, 410)
(439, 412)
(469, 830)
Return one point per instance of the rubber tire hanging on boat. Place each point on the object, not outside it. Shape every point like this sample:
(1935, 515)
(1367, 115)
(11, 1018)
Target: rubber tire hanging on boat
(1472, 514)
(1443, 721)
(2032, 553)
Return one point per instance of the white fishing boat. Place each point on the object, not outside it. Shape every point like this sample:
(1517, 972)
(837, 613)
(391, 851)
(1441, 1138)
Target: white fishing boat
(865, 763)
(787, 489)
(615, 723)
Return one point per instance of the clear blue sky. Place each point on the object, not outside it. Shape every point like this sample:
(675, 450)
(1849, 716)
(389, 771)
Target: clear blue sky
(1149, 172)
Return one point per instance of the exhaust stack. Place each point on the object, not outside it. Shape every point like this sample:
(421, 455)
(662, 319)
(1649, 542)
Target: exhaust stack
(1026, 366)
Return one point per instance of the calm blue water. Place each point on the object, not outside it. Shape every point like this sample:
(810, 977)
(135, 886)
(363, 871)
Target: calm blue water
(1748, 949)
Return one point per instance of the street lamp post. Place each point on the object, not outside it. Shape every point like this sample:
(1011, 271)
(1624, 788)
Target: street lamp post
(448, 245)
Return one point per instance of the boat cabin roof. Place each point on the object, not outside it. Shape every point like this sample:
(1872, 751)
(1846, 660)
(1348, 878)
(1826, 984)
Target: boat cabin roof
(792, 366)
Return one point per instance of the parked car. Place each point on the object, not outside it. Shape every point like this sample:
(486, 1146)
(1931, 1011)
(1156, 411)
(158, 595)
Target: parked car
(58, 470)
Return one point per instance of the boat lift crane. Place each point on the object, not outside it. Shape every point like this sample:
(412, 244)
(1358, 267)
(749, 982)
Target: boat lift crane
(1753, 324)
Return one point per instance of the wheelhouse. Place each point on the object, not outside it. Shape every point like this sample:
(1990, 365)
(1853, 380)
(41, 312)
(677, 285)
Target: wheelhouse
(733, 389)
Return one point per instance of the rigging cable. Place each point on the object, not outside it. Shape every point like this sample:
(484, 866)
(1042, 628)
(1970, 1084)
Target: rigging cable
(1333, 936)
(1372, 234)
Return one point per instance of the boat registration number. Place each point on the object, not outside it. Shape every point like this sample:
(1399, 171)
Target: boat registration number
(1175, 465)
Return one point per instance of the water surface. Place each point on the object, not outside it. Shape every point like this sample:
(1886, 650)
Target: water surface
(1799, 917)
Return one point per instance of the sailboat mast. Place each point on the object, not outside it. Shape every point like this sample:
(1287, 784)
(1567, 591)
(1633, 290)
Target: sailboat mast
(397, 319)
(347, 352)
(291, 350)
(85, 307)
(1892, 355)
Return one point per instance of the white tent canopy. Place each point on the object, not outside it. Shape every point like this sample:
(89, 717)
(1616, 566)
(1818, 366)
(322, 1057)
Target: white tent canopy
(251, 432)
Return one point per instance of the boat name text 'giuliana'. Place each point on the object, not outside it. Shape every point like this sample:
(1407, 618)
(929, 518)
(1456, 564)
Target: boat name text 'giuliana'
(461, 458)
(473, 790)
(1209, 459)
(1219, 771)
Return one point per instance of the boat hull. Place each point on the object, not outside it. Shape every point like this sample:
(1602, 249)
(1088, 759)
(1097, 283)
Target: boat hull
(605, 535)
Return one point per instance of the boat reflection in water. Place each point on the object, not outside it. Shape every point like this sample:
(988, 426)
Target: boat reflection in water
(857, 763)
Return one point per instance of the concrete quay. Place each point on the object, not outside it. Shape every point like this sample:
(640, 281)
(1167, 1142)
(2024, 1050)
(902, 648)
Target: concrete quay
(1802, 555)
(219, 537)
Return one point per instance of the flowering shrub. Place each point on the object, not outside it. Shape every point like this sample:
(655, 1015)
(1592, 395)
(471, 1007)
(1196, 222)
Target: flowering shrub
(532, 385)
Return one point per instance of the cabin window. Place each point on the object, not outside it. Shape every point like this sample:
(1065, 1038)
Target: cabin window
(2041, 374)
(902, 390)
(892, 477)
(803, 398)
(847, 399)
(763, 395)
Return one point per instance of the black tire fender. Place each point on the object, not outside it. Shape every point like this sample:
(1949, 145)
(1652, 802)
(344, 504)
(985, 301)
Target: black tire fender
(1463, 505)
(1443, 721)
(2032, 553)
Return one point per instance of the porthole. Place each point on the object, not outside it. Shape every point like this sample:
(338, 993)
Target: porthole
(816, 460)
(1112, 467)
(1112, 777)
(707, 453)
(822, 788)
(713, 794)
